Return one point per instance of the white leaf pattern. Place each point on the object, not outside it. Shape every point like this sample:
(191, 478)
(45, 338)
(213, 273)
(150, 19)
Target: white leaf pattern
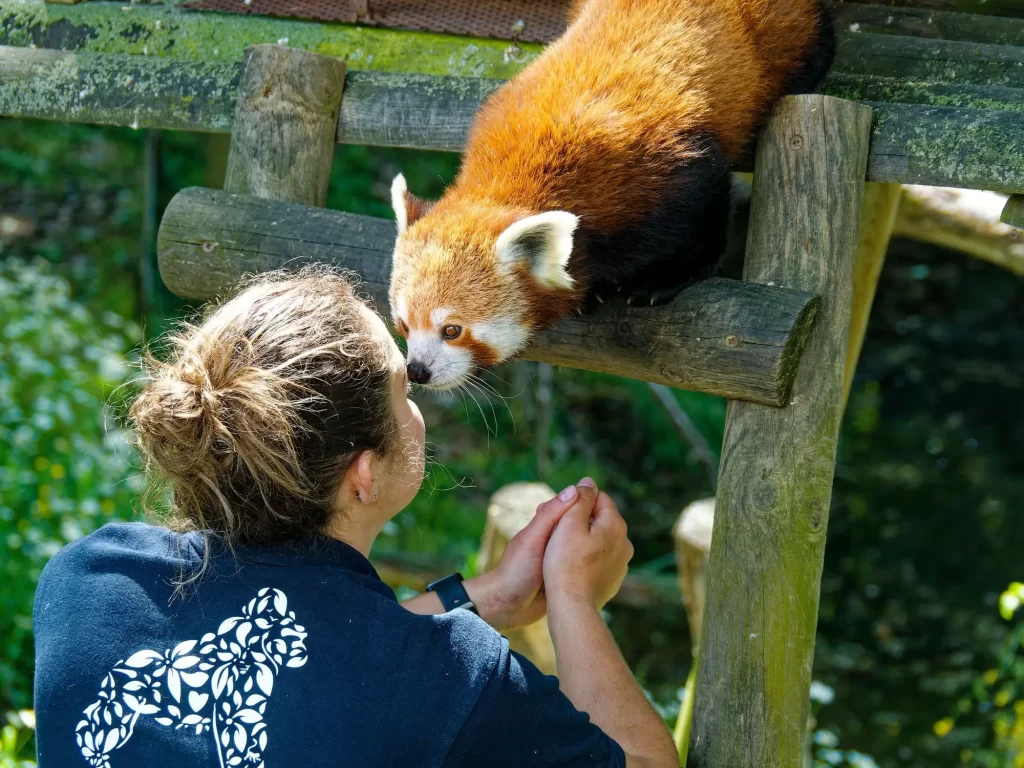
(245, 649)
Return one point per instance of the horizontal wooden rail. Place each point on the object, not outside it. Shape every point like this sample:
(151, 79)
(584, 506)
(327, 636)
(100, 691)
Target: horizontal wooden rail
(929, 143)
(992, 7)
(930, 23)
(731, 338)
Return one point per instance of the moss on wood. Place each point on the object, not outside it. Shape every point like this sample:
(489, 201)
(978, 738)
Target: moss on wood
(893, 89)
(167, 31)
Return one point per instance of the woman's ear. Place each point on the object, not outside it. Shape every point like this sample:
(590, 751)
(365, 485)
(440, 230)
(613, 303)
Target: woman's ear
(359, 478)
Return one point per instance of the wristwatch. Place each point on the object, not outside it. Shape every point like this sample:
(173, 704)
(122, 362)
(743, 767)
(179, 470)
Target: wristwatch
(452, 594)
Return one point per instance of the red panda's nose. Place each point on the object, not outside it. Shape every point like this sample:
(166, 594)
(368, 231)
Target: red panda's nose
(418, 373)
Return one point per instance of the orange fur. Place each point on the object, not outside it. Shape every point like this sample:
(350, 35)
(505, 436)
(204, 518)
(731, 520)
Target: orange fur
(596, 126)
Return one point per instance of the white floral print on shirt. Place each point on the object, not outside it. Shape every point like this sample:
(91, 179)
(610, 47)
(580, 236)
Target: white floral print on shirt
(219, 683)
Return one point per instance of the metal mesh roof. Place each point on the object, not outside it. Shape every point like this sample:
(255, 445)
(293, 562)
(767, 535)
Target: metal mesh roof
(540, 21)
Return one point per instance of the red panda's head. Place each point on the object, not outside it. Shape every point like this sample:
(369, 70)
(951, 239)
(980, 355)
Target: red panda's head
(472, 282)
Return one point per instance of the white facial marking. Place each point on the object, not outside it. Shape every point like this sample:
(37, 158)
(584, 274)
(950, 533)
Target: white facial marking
(502, 334)
(439, 316)
(544, 243)
(398, 190)
(400, 310)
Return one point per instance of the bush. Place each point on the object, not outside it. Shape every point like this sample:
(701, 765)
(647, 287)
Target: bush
(64, 467)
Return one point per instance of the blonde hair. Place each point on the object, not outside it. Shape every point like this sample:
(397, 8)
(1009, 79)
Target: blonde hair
(256, 413)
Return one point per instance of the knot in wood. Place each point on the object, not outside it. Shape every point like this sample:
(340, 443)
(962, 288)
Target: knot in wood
(816, 516)
(796, 142)
(732, 340)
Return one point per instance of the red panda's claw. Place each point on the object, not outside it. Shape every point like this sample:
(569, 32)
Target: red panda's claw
(599, 299)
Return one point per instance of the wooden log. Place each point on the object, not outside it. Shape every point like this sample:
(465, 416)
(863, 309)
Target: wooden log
(775, 485)
(947, 147)
(282, 137)
(878, 216)
(924, 22)
(728, 337)
(935, 61)
(510, 510)
(993, 7)
(160, 29)
(935, 142)
(894, 89)
(961, 220)
(1013, 212)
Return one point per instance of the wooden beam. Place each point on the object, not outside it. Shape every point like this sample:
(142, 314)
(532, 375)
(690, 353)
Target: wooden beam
(163, 30)
(993, 7)
(878, 216)
(942, 145)
(727, 337)
(964, 220)
(925, 22)
(775, 485)
(934, 61)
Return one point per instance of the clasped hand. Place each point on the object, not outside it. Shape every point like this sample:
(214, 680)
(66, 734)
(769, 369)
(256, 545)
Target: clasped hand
(575, 549)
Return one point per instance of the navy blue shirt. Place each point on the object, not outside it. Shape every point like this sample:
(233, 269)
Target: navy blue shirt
(279, 656)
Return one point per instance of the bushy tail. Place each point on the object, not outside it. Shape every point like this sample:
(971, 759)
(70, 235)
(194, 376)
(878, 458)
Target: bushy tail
(814, 67)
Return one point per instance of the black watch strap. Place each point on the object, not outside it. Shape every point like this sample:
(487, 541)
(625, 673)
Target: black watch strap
(452, 594)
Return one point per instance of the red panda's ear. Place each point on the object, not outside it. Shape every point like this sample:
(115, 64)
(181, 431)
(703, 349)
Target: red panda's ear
(408, 207)
(543, 243)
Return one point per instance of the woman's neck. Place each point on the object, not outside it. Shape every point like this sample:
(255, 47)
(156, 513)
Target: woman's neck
(358, 534)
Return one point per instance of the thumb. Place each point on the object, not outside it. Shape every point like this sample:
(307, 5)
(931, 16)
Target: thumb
(539, 529)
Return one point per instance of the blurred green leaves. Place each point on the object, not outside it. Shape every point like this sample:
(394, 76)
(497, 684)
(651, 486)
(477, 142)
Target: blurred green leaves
(65, 468)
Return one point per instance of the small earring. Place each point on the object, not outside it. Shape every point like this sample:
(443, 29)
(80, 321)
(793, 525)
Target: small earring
(374, 497)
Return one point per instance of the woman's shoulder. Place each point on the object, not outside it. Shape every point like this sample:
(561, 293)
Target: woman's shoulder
(117, 545)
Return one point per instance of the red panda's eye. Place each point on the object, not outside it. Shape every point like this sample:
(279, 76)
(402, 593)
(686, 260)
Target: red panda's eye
(450, 332)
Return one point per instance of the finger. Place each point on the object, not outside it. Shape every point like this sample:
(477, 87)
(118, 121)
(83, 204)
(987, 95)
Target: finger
(537, 532)
(578, 515)
(606, 511)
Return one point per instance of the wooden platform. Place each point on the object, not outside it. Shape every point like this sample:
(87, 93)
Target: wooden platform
(947, 88)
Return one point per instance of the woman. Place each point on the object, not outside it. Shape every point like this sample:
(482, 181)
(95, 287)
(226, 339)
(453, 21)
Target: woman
(254, 631)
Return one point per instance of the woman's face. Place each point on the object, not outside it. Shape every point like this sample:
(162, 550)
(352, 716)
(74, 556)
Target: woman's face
(401, 472)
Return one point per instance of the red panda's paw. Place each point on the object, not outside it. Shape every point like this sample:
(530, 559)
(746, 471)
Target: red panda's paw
(652, 297)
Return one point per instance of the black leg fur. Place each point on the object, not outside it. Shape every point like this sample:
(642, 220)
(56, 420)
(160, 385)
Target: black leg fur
(681, 242)
(815, 66)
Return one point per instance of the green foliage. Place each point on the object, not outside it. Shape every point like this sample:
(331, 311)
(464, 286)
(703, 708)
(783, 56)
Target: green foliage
(64, 467)
(16, 740)
(987, 728)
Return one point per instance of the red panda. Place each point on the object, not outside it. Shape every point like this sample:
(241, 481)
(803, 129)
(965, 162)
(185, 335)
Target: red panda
(602, 167)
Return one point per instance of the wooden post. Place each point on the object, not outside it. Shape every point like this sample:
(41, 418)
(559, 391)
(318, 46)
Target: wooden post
(286, 123)
(775, 484)
(509, 511)
(878, 215)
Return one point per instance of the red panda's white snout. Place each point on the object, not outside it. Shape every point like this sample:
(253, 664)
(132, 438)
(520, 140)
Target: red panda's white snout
(463, 292)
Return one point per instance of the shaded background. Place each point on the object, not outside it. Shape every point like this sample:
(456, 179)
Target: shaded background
(915, 664)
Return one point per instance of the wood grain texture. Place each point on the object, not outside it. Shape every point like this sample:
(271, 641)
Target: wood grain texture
(992, 7)
(775, 483)
(927, 60)
(946, 134)
(924, 22)
(286, 118)
(727, 337)
(878, 217)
